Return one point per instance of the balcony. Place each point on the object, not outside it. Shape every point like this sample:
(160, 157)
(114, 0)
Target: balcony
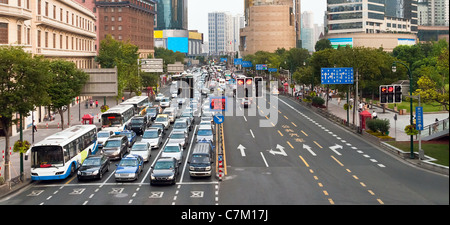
(64, 53)
(46, 21)
(15, 11)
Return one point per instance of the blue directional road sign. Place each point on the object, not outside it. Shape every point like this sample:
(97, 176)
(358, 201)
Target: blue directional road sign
(419, 118)
(261, 66)
(336, 75)
(272, 69)
(247, 64)
(238, 61)
(218, 118)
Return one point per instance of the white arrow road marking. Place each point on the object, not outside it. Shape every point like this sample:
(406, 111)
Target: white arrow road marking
(280, 152)
(242, 148)
(309, 149)
(333, 148)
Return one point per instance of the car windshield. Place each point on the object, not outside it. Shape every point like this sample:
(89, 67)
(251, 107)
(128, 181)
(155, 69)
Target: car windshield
(204, 132)
(150, 134)
(103, 134)
(200, 159)
(161, 119)
(112, 143)
(186, 114)
(126, 134)
(164, 165)
(139, 147)
(137, 121)
(128, 162)
(91, 162)
(177, 136)
(151, 110)
(171, 149)
(165, 100)
(180, 125)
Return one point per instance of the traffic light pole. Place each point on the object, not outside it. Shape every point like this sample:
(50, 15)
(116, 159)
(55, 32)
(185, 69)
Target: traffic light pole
(394, 68)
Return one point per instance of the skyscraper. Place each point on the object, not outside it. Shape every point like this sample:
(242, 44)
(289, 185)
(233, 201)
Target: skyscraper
(220, 25)
(171, 15)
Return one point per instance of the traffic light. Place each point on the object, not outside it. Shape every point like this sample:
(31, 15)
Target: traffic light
(218, 104)
(259, 87)
(390, 95)
(383, 94)
(249, 87)
(240, 88)
(398, 94)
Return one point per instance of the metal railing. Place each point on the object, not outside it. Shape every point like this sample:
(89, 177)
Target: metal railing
(435, 128)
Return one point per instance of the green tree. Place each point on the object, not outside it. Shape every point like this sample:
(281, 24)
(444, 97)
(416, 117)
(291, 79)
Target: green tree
(65, 84)
(124, 55)
(322, 44)
(23, 82)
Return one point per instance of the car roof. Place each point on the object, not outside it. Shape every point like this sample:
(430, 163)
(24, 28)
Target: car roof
(152, 128)
(205, 127)
(141, 143)
(171, 159)
(131, 156)
(116, 136)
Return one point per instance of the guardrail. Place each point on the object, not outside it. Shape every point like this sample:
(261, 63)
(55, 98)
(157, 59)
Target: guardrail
(434, 128)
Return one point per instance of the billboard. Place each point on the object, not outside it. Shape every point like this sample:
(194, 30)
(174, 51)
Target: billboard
(179, 44)
(335, 42)
(406, 41)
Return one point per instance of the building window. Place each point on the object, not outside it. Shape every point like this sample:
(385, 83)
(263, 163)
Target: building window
(3, 33)
(39, 38)
(46, 39)
(19, 34)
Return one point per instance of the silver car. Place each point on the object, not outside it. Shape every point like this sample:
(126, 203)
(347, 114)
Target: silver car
(173, 150)
(205, 133)
(153, 137)
(180, 138)
(143, 149)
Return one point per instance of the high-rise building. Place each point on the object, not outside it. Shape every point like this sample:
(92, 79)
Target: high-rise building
(433, 12)
(220, 33)
(131, 20)
(372, 23)
(270, 24)
(171, 15)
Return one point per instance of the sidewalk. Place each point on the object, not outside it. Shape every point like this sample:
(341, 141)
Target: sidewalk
(397, 127)
(44, 129)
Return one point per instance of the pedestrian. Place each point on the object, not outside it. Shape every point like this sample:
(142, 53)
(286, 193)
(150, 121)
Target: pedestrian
(96, 103)
(374, 115)
(339, 101)
(435, 125)
(34, 127)
(87, 104)
(91, 103)
(123, 98)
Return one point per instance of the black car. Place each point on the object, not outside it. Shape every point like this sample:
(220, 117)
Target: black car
(165, 171)
(138, 124)
(93, 167)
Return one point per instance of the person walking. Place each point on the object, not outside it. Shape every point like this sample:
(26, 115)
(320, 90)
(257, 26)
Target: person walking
(374, 115)
(96, 103)
(91, 103)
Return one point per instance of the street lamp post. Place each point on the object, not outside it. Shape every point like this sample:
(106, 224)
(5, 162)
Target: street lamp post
(394, 69)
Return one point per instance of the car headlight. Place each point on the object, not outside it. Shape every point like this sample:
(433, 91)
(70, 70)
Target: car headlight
(79, 172)
(95, 172)
(171, 177)
(208, 168)
(152, 177)
(191, 168)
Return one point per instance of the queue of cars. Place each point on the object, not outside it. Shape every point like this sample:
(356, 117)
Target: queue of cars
(133, 147)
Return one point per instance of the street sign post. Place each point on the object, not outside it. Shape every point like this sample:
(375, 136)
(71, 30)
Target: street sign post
(152, 65)
(218, 118)
(419, 118)
(336, 75)
(261, 66)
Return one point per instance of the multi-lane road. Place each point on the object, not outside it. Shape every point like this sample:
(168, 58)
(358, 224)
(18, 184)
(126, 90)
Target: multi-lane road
(298, 159)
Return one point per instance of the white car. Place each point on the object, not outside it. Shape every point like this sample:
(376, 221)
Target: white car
(173, 150)
(159, 97)
(165, 102)
(163, 119)
(205, 133)
(153, 137)
(171, 112)
(143, 149)
(102, 136)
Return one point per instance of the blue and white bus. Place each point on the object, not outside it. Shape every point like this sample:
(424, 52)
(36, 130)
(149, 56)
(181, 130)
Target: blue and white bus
(117, 118)
(59, 155)
(140, 104)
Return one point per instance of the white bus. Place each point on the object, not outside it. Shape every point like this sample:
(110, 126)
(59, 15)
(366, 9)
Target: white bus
(59, 155)
(140, 104)
(117, 118)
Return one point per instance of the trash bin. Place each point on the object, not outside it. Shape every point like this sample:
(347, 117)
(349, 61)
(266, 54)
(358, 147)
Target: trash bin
(364, 116)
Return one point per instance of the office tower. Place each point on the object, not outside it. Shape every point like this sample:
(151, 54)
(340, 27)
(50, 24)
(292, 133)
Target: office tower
(171, 15)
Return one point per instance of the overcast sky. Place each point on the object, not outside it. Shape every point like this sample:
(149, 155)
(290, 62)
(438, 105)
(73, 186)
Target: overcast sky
(198, 11)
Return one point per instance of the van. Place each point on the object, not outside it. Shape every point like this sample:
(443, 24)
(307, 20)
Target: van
(200, 163)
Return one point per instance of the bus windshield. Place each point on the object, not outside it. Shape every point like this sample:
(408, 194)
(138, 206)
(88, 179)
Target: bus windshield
(111, 119)
(46, 156)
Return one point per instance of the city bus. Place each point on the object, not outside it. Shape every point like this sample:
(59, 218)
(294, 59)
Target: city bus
(117, 118)
(140, 104)
(59, 155)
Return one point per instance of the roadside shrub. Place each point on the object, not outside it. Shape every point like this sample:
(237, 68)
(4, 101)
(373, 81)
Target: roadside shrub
(379, 125)
(317, 101)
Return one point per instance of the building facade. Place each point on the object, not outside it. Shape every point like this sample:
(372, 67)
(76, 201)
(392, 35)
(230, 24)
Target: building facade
(372, 23)
(270, 24)
(220, 33)
(188, 42)
(131, 20)
(54, 29)
(172, 15)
